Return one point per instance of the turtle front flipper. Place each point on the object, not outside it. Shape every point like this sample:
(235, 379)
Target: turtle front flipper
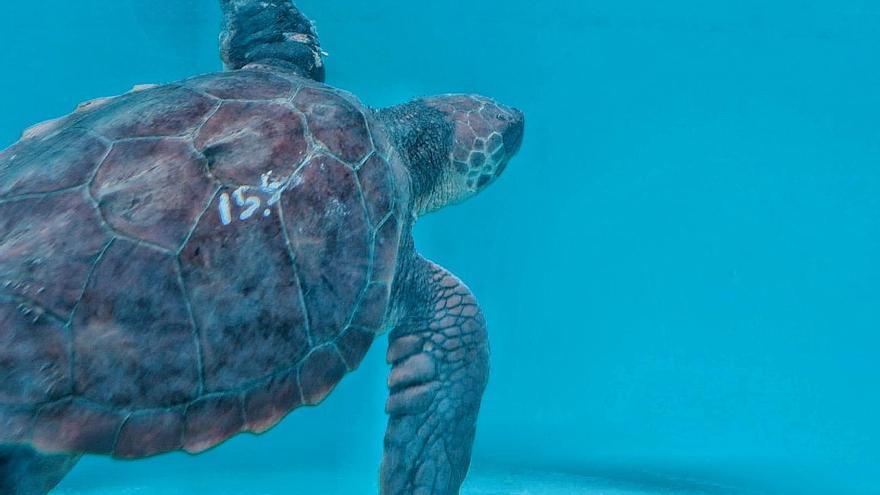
(440, 357)
(269, 32)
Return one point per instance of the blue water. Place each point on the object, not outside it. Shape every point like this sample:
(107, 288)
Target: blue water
(680, 270)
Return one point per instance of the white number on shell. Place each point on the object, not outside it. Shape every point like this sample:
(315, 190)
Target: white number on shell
(269, 188)
(250, 205)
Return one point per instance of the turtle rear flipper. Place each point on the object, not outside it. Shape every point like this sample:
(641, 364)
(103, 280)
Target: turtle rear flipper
(24, 471)
(269, 32)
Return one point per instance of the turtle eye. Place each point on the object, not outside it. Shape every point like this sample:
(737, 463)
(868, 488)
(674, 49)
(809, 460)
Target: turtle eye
(502, 117)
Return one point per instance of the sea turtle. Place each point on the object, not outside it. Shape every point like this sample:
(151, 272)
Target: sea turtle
(192, 260)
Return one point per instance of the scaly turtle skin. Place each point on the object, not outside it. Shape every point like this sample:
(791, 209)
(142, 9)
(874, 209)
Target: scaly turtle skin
(193, 260)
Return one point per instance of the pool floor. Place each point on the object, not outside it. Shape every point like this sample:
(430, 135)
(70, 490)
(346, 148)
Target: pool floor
(93, 480)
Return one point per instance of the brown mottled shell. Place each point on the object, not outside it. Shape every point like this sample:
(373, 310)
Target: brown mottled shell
(185, 262)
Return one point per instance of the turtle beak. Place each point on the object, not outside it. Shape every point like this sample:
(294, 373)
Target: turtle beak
(512, 136)
(513, 132)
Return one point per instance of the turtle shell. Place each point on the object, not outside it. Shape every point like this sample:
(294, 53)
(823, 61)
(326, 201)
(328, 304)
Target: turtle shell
(186, 262)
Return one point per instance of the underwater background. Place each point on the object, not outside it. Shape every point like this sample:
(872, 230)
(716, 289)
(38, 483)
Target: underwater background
(680, 270)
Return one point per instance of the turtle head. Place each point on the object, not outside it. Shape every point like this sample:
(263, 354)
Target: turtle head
(454, 145)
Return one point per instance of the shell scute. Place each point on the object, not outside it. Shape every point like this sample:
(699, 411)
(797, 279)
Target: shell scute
(244, 140)
(47, 247)
(153, 189)
(320, 373)
(150, 433)
(210, 421)
(376, 182)
(44, 129)
(76, 426)
(134, 348)
(371, 309)
(158, 112)
(245, 298)
(336, 123)
(267, 403)
(49, 163)
(354, 344)
(385, 250)
(15, 424)
(34, 357)
(326, 221)
(243, 85)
